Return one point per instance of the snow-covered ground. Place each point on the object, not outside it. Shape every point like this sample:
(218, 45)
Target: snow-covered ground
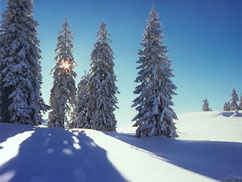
(209, 149)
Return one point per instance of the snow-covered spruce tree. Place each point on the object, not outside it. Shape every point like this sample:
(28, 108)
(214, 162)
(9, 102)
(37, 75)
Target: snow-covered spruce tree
(227, 106)
(20, 69)
(234, 99)
(0, 102)
(63, 92)
(101, 85)
(80, 117)
(155, 115)
(240, 102)
(206, 105)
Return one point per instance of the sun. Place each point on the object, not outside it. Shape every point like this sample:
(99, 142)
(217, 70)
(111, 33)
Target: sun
(65, 65)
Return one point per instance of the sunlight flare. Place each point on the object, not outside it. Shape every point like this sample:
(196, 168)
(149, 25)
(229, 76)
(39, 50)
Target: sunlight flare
(65, 65)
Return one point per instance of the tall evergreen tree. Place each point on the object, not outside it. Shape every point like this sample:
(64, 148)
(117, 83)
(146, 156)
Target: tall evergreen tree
(20, 69)
(155, 115)
(234, 100)
(80, 116)
(63, 92)
(206, 105)
(101, 85)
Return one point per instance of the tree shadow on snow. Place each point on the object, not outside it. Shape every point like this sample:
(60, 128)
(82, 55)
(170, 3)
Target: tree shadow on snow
(214, 159)
(8, 130)
(229, 114)
(57, 155)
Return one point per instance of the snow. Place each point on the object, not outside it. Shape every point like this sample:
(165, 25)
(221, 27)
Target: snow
(11, 144)
(212, 126)
(208, 149)
(54, 154)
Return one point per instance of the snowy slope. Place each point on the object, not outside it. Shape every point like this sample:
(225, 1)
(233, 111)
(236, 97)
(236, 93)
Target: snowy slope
(208, 149)
(214, 126)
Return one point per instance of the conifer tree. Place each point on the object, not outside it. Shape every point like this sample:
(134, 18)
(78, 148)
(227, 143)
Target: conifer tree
(101, 85)
(80, 116)
(227, 106)
(234, 99)
(20, 69)
(0, 101)
(240, 102)
(206, 105)
(155, 90)
(63, 92)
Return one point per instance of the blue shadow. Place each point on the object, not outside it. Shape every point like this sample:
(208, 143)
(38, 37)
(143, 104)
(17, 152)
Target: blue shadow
(8, 130)
(231, 113)
(57, 155)
(214, 159)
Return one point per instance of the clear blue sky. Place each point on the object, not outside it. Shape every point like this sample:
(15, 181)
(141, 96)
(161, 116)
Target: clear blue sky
(204, 38)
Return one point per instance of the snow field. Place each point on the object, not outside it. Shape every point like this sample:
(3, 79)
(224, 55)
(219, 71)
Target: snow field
(208, 149)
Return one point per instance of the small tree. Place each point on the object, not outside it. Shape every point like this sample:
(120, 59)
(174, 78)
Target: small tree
(63, 92)
(234, 99)
(80, 116)
(20, 68)
(240, 102)
(155, 90)
(227, 106)
(101, 85)
(206, 105)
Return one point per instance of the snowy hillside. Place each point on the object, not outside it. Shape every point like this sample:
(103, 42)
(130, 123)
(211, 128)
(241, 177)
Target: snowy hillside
(209, 149)
(214, 126)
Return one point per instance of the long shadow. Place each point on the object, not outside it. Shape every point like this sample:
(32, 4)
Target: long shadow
(57, 155)
(229, 114)
(217, 160)
(8, 130)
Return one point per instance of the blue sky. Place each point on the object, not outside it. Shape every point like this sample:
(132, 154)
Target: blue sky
(204, 38)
